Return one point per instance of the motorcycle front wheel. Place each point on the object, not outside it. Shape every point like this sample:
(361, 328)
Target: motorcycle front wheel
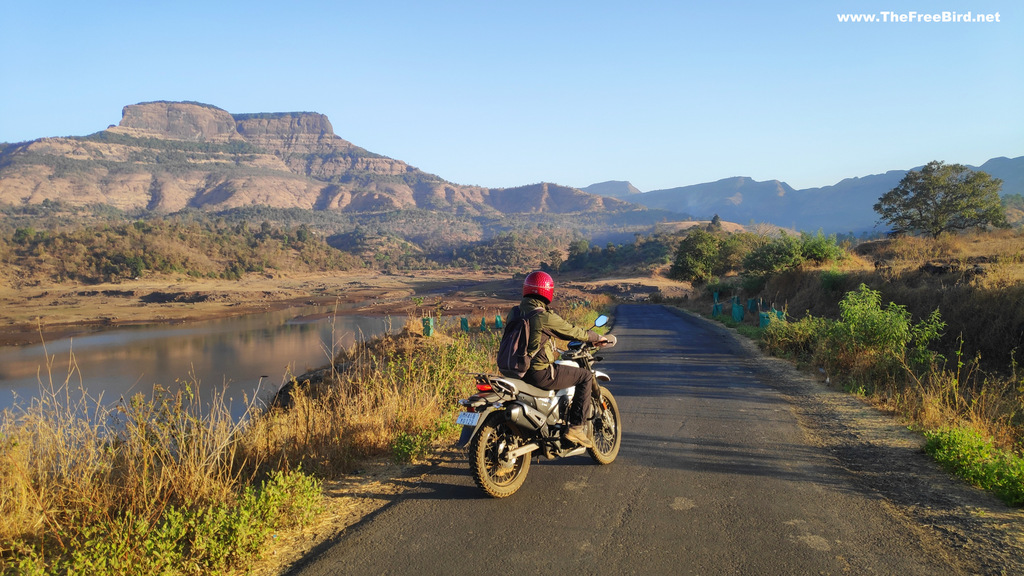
(493, 470)
(607, 429)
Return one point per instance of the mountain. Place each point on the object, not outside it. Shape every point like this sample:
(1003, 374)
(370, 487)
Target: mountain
(742, 198)
(612, 188)
(166, 156)
(846, 206)
(545, 197)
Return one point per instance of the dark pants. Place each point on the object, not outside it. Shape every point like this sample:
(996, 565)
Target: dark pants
(567, 377)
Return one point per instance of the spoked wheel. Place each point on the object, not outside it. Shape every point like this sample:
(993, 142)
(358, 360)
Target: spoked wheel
(494, 471)
(607, 429)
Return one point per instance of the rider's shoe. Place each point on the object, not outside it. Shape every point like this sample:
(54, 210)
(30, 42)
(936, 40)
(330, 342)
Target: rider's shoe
(578, 435)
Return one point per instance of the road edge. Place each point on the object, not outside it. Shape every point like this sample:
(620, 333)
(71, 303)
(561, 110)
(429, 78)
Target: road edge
(970, 528)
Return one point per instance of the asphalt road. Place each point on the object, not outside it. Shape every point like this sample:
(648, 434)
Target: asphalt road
(715, 476)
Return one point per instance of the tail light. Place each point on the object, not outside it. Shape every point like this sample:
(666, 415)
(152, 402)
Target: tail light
(483, 386)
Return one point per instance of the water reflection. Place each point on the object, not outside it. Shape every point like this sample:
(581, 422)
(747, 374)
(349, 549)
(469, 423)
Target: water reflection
(245, 356)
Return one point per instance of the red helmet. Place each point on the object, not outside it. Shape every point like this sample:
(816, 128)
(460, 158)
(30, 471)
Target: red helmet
(539, 284)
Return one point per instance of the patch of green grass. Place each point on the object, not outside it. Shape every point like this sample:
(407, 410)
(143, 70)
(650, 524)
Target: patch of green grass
(974, 458)
(214, 539)
(407, 447)
(752, 332)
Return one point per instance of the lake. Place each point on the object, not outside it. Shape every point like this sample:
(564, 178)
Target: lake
(245, 356)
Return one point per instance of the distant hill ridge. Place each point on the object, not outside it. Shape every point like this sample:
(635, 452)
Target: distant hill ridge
(843, 207)
(166, 156)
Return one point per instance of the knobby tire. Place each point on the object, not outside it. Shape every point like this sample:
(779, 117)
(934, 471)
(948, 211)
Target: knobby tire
(498, 478)
(607, 429)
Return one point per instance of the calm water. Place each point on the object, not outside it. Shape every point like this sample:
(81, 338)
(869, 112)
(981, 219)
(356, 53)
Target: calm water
(245, 357)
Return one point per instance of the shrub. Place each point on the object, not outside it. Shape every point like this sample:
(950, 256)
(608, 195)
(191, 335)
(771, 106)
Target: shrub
(867, 340)
(780, 254)
(820, 248)
(697, 257)
(974, 458)
(735, 248)
(801, 339)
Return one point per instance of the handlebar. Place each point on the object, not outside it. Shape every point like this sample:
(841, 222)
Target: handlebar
(577, 349)
(609, 341)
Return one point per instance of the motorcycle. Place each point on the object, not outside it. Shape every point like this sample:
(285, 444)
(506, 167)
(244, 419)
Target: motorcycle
(508, 420)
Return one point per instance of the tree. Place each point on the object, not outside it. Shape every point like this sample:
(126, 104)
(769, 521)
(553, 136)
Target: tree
(697, 257)
(942, 198)
(780, 254)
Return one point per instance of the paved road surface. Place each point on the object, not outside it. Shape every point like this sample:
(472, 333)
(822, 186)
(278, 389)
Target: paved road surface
(714, 477)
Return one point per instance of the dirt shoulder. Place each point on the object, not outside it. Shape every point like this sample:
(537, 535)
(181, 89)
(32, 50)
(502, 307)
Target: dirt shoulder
(970, 528)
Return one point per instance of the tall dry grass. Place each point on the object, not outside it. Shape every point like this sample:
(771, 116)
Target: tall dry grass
(374, 393)
(975, 281)
(169, 477)
(70, 464)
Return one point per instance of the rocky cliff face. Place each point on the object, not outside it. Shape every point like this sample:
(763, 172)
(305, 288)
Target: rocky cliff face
(178, 121)
(166, 156)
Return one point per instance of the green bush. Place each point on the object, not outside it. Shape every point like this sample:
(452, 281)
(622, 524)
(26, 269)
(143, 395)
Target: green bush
(866, 340)
(697, 257)
(972, 457)
(780, 254)
(820, 248)
(879, 340)
(801, 339)
(735, 248)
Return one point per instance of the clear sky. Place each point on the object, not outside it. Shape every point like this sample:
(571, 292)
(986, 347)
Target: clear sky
(501, 94)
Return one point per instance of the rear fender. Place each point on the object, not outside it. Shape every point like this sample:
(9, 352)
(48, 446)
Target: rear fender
(468, 432)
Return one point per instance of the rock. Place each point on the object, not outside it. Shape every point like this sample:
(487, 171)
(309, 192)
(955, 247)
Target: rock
(179, 121)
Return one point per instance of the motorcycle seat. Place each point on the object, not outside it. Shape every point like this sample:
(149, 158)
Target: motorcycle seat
(534, 391)
(529, 388)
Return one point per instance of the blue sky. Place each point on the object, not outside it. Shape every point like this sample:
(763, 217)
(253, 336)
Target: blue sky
(501, 94)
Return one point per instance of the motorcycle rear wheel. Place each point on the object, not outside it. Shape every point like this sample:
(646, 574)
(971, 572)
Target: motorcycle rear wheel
(607, 429)
(493, 471)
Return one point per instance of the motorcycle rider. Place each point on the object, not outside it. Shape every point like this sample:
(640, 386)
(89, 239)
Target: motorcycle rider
(538, 292)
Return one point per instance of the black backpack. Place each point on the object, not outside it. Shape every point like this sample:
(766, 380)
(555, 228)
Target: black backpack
(512, 358)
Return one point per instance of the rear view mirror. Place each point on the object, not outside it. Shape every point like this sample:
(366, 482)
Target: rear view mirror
(601, 321)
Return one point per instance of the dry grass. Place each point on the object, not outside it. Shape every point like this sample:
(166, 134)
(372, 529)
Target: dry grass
(376, 391)
(976, 282)
(71, 469)
(66, 462)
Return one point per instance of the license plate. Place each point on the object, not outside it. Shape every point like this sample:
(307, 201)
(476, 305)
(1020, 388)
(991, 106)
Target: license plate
(468, 418)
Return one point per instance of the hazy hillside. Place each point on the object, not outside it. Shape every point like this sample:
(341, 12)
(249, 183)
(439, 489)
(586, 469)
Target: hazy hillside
(612, 188)
(545, 197)
(842, 207)
(743, 199)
